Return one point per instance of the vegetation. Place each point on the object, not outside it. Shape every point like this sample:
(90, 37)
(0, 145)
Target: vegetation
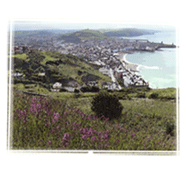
(78, 36)
(89, 89)
(57, 68)
(41, 33)
(48, 123)
(107, 105)
(127, 32)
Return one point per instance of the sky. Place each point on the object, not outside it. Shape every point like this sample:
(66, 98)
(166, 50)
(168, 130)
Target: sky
(48, 25)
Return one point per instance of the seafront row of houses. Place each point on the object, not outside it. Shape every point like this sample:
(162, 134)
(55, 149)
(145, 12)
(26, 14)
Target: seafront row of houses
(106, 53)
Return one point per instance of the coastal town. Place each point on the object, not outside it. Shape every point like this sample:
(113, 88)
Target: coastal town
(109, 54)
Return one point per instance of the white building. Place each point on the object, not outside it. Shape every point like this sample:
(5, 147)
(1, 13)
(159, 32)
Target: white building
(57, 85)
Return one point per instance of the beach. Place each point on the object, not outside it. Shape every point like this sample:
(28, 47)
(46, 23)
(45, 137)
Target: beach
(133, 68)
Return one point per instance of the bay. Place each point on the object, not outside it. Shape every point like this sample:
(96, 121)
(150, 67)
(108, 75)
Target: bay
(159, 67)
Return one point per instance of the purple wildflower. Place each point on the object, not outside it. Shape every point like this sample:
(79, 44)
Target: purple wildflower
(93, 138)
(84, 137)
(132, 135)
(55, 117)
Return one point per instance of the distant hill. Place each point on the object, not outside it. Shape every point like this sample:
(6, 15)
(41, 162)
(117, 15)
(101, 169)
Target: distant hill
(32, 33)
(126, 32)
(78, 36)
(41, 33)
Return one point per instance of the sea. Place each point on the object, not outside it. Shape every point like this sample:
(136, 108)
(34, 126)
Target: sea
(159, 68)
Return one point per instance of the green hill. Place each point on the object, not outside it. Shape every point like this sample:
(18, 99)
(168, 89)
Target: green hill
(78, 36)
(126, 32)
(41, 33)
(57, 68)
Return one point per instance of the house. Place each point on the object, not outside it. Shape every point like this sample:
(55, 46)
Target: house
(93, 83)
(17, 75)
(57, 85)
(41, 74)
(106, 85)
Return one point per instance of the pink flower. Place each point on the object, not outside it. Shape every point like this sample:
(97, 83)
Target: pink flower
(53, 129)
(55, 117)
(132, 135)
(66, 137)
(84, 130)
(106, 145)
(93, 138)
(49, 142)
(84, 137)
(66, 144)
(100, 133)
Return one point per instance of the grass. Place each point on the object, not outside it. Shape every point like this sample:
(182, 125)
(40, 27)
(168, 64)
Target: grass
(22, 56)
(164, 94)
(31, 88)
(57, 123)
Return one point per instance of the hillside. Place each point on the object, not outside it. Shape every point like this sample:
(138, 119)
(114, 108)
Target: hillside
(41, 33)
(126, 32)
(66, 69)
(78, 36)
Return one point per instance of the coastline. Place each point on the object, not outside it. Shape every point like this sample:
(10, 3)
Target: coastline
(133, 68)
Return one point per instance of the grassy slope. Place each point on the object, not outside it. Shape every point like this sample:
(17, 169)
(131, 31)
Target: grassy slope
(142, 125)
(168, 93)
(128, 32)
(22, 56)
(83, 35)
(70, 66)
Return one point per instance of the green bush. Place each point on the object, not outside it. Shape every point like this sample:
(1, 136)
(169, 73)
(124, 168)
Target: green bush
(170, 128)
(85, 89)
(76, 90)
(140, 95)
(105, 104)
(63, 90)
(95, 89)
(89, 89)
(153, 95)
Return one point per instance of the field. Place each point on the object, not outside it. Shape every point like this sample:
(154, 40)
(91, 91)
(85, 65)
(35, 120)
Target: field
(66, 121)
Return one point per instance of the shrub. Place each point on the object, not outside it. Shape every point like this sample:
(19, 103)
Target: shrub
(105, 104)
(94, 89)
(170, 127)
(153, 95)
(76, 90)
(89, 89)
(63, 90)
(85, 89)
(141, 95)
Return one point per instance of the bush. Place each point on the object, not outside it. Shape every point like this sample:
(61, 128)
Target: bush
(89, 89)
(105, 104)
(153, 95)
(170, 127)
(63, 90)
(76, 90)
(85, 89)
(94, 89)
(140, 95)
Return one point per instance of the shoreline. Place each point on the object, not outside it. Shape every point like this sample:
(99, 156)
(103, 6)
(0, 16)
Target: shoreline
(133, 68)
